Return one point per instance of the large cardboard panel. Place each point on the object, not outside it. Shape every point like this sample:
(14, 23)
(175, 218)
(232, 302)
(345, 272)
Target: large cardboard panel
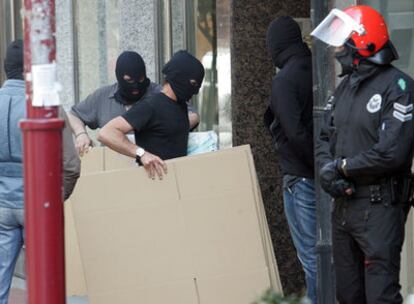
(182, 292)
(240, 288)
(223, 233)
(116, 161)
(150, 233)
(275, 281)
(212, 172)
(75, 279)
(91, 162)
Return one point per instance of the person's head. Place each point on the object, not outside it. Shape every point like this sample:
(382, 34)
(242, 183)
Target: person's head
(185, 74)
(282, 33)
(14, 63)
(132, 77)
(359, 33)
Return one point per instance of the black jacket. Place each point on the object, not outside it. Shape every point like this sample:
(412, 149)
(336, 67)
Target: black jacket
(289, 115)
(370, 123)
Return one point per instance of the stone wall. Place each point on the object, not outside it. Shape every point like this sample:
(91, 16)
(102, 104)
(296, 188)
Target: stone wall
(252, 72)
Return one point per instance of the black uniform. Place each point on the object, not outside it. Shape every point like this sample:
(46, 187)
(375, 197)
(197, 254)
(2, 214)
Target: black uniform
(371, 126)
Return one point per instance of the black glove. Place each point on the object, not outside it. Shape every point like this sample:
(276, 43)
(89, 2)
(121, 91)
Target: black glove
(332, 180)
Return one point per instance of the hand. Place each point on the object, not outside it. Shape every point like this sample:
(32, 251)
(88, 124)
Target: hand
(333, 182)
(154, 165)
(83, 143)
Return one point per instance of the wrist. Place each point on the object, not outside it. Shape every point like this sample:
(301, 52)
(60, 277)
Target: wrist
(139, 153)
(81, 133)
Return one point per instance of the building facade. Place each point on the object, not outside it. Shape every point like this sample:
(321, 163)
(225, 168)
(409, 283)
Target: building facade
(228, 36)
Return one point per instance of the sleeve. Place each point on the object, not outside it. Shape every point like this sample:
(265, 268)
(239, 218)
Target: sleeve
(71, 161)
(140, 115)
(286, 104)
(395, 141)
(323, 145)
(87, 110)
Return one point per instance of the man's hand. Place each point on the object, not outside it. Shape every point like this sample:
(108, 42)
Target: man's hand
(333, 182)
(154, 165)
(83, 143)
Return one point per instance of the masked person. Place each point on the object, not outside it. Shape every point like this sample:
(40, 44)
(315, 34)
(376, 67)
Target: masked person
(160, 123)
(365, 153)
(12, 110)
(114, 100)
(289, 119)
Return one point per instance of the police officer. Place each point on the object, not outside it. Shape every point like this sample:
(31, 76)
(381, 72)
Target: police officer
(365, 153)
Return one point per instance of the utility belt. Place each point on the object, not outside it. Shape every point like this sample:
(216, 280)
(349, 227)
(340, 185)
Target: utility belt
(391, 190)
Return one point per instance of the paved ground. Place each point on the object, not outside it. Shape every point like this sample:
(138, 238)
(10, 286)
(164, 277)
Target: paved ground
(18, 294)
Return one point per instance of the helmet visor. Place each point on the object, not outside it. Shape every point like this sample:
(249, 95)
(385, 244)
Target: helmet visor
(336, 28)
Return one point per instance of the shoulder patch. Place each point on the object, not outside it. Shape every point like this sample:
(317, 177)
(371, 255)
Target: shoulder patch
(402, 84)
(402, 117)
(374, 104)
(402, 108)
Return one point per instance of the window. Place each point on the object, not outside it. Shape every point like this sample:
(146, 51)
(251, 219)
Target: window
(399, 15)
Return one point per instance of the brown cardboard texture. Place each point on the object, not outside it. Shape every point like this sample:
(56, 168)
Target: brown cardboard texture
(91, 162)
(75, 281)
(116, 161)
(198, 236)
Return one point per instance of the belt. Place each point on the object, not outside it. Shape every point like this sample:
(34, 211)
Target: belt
(373, 192)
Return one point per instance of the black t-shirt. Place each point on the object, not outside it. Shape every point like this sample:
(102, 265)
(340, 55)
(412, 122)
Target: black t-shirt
(161, 126)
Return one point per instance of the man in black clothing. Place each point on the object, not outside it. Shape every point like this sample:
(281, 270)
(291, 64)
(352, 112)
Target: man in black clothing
(365, 153)
(289, 119)
(160, 123)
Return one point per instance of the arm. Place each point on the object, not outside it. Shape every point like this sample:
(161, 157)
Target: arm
(71, 161)
(323, 151)
(395, 140)
(113, 135)
(194, 120)
(85, 114)
(82, 139)
(193, 117)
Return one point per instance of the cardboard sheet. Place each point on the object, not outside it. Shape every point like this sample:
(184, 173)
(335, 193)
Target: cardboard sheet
(198, 236)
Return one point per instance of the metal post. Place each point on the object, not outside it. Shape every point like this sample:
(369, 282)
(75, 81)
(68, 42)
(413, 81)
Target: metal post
(42, 140)
(324, 82)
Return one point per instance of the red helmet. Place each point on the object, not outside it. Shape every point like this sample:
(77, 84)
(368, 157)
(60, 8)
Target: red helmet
(361, 23)
(376, 32)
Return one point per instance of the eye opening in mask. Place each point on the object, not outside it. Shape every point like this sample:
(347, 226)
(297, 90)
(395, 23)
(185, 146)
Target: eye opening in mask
(129, 79)
(194, 83)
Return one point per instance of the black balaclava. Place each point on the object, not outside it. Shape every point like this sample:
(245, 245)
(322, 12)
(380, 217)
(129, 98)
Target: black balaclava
(131, 64)
(179, 71)
(13, 63)
(284, 39)
(346, 59)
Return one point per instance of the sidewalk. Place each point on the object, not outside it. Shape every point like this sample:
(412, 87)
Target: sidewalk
(18, 294)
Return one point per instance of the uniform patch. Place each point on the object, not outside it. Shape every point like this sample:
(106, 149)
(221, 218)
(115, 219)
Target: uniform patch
(402, 108)
(374, 104)
(402, 84)
(402, 117)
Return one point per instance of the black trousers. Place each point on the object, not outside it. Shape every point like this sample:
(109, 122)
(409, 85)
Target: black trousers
(367, 242)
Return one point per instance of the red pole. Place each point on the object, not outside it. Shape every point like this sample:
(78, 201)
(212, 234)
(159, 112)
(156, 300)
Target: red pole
(42, 140)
